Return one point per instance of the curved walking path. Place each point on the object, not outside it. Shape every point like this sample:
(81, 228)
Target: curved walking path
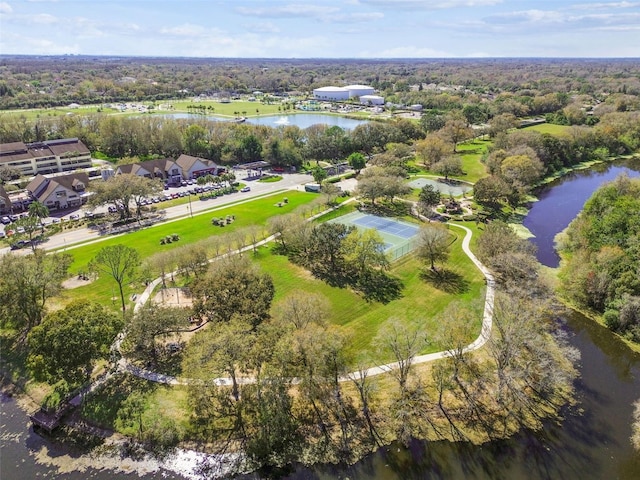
(485, 331)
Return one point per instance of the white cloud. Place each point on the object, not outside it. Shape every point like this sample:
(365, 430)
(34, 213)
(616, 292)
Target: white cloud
(289, 11)
(185, 30)
(262, 27)
(597, 6)
(355, 17)
(526, 16)
(429, 4)
(5, 7)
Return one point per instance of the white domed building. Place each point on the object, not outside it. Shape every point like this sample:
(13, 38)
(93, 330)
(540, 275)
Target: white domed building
(337, 94)
(331, 93)
(359, 90)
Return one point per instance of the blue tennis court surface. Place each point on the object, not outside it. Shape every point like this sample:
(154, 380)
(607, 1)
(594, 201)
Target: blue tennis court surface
(400, 238)
(394, 227)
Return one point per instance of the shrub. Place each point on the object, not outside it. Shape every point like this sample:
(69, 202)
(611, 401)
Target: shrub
(612, 319)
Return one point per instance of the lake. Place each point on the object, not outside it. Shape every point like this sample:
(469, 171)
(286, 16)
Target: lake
(560, 202)
(301, 120)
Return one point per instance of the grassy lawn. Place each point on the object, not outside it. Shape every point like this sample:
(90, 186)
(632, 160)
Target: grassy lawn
(270, 179)
(470, 153)
(191, 230)
(361, 320)
(558, 130)
(250, 109)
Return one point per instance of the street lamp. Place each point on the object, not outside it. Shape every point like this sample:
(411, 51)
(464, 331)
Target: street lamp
(190, 210)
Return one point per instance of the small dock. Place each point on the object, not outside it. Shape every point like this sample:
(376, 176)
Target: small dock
(48, 420)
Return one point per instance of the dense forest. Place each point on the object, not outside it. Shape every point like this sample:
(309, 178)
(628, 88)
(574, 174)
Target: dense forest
(36, 82)
(602, 246)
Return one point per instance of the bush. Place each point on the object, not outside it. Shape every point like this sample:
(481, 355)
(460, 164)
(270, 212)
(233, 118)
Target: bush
(612, 319)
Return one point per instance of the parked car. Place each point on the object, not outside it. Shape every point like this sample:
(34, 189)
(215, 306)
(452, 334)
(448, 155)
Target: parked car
(246, 189)
(6, 220)
(74, 216)
(2, 234)
(14, 217)
(20, 230)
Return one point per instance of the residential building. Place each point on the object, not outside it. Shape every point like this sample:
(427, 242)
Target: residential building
(60, 192)
(50, 156)
(165, 169)
(194, 167)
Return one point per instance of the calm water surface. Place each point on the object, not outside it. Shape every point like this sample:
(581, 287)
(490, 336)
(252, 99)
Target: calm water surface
(301, 120)
(561, 201)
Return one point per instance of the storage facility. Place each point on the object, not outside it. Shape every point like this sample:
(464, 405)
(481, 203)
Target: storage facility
(331, 93)
(371, 100)
(342, 93)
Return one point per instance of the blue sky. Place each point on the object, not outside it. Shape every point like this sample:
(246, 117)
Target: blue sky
(322, 28)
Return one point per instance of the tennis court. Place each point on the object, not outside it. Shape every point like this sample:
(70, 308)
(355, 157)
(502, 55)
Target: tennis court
(399, 237)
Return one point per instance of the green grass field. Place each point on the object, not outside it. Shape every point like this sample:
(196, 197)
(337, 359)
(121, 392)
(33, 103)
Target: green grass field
(558, 130)
(420, 303)
(190, 230)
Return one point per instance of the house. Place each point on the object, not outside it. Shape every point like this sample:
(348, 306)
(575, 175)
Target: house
(5, 201)
(50, 156)
(165, 169)
(194, 167)
(58, 193)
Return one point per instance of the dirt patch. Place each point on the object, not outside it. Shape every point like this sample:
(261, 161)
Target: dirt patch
(77, 281)
(174, 297)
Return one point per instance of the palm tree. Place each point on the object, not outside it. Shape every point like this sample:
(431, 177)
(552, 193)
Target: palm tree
(39, 210)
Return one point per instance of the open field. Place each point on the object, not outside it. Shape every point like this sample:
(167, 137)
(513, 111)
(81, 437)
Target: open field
(558, 130)
(420, 304)
(190, 230)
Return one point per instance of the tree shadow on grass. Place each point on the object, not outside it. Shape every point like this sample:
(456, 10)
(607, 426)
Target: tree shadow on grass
(445, 280)
(378, 286)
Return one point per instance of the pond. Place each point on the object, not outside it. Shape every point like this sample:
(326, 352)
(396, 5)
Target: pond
(301, 120)
(451, 187)
(560, 202)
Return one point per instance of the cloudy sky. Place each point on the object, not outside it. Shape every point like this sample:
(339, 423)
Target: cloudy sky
(322, 28)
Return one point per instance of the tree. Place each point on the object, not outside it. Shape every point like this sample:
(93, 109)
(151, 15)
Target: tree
(377, 182)
(122, 190)
(490, 190)
(319, 174)
(456, 130)
(152, 321)
(429, 197)
(432, 149)
(357, 161)
(68, 342)
(233, 286)
(331, 191)
(26, 283)
(448, 166)
(433, 244)
(118, 261)
(364, 250)
(521, 170)
(8, 173)
(31, 226)
(39, 211)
